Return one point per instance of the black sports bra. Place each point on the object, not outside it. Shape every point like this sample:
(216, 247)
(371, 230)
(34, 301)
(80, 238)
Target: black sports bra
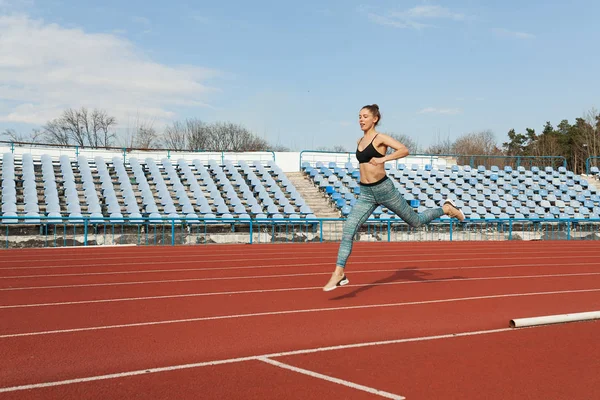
(368, 153)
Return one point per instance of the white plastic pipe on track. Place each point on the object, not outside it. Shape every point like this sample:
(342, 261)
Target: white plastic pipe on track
(554, 319)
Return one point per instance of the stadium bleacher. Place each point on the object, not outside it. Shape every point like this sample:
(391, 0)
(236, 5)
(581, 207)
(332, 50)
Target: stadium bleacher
(494, 193)
(189, 190)
(113, 191)
(9, 191)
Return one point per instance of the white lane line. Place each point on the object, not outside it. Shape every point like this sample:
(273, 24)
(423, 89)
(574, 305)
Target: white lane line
(332, 260)
(328, 378)
(301, 311)
(250, 358)
(289, 275)
(187, 295)
(361, 254)
(151, 271)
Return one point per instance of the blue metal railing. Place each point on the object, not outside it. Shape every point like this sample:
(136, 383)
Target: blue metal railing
(588, 163)
(341, 157)
(60, 232)
(516, 161)
(463, 159)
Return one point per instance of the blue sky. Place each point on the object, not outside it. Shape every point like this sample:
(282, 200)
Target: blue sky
(297, 73)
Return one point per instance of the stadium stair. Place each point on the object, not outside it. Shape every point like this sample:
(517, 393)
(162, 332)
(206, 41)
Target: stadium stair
(313, 196)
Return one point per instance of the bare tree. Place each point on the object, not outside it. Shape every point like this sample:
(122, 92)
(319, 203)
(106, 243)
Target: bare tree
(191, 134)
(476, 143)
(335, 149)
(589, 136)
(57, 133)
(198, 134)
(141, 135)
(220, 136)
(445, 146)
(79, 127)
(102, 124)
(411, 144)
(76, 123)
(147, 137)
(234, 137)
(175, 136)
(33, 137)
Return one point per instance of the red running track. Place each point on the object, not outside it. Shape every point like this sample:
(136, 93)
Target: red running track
(231, 322)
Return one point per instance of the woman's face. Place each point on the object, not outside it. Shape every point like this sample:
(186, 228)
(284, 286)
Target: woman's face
(366, 120)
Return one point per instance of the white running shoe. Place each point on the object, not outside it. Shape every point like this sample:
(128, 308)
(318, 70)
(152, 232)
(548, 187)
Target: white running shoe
(455, 212)
(332, 284)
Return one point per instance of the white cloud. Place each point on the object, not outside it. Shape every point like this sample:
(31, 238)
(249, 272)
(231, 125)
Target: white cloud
(446, 111)
(12, 5)
(513, 34)
(46, 68)
(413, 18)
(421, 12)
(396, 23)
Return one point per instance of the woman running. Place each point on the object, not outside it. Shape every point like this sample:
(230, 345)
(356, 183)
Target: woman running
(377, 189)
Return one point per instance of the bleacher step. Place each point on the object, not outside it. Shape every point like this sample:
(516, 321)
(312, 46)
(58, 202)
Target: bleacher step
(315, 199)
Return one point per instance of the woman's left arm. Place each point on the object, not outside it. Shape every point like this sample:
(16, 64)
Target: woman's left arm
(400, 150)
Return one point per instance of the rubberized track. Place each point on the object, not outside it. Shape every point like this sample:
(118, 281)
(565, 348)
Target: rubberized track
(418, 320)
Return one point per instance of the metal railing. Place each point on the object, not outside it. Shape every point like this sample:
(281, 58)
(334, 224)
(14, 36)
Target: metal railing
(126, 153)
(33, 232)
(588, 163)
(473, 160)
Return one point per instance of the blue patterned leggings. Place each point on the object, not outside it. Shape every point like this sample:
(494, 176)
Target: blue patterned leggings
(385, 193)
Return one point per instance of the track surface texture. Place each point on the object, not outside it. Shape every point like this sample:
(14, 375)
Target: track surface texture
(426, 320)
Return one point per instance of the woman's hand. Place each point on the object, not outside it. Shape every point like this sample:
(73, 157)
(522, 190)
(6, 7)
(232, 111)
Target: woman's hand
(377, 161)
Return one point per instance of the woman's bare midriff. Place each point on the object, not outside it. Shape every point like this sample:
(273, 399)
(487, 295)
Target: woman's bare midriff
(370, 173)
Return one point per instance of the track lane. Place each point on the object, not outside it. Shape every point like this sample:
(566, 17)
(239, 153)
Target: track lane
(252, 380)
(551, 362)
(65, 355)
(61, 356)
(183, 254)
(196, 303)
(133, 273)
(271, 279)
